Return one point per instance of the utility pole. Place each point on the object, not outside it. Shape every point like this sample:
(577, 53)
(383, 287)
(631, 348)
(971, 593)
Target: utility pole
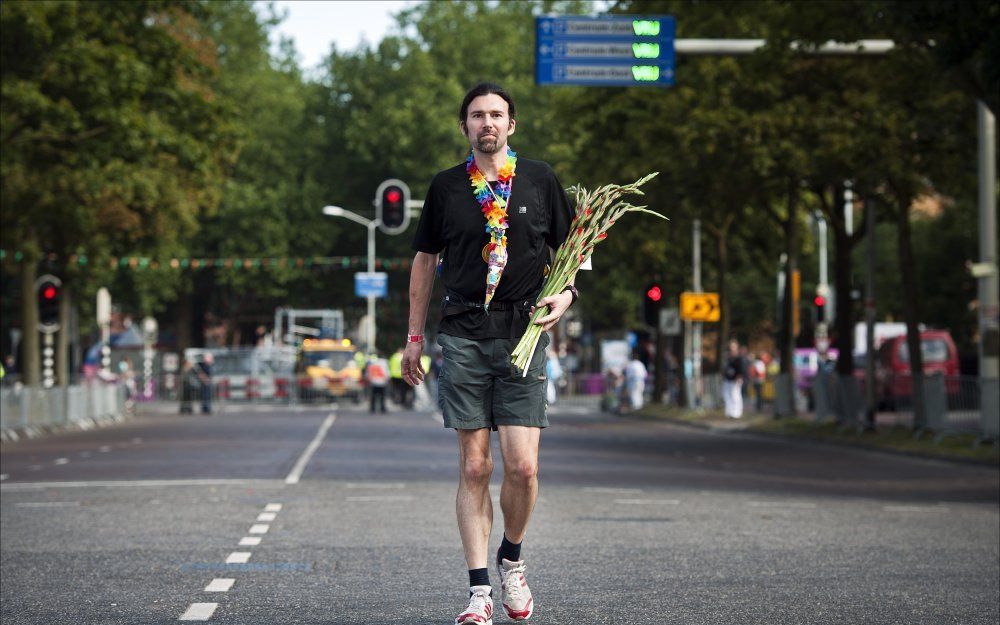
(699, 391)
(989, 308)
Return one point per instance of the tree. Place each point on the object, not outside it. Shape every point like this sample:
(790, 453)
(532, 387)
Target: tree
(112, 140)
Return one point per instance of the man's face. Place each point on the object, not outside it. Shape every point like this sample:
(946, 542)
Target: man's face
(488, 124)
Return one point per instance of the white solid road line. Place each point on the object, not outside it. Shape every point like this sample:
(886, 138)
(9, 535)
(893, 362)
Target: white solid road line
(259, 528)
(220, 584)
(266, 516)
(603, 489)
(48, 504)
(119, 483)
(915, 508)
(300, 465)
(648, 502)
(375, 485)
(199, 612)
(782, 504)
(249, 541)
(238, 557)
(272, 507)
(382, 498)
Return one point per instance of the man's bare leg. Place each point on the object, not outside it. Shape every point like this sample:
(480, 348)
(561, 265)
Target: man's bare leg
(473, 505)
(519, 446)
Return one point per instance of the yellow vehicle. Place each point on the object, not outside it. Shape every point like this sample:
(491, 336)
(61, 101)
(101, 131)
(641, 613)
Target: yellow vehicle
(326, 369)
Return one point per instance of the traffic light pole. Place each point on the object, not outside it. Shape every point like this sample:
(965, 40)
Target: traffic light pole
(370, 224)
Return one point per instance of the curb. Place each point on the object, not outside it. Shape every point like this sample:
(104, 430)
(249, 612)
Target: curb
(13, 435)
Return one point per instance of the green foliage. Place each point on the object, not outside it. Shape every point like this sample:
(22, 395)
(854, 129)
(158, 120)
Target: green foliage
(113, 142)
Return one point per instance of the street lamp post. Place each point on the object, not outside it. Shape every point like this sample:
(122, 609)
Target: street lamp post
(370, 224)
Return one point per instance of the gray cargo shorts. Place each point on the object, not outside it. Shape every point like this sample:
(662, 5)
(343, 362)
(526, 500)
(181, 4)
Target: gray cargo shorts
(477, 389)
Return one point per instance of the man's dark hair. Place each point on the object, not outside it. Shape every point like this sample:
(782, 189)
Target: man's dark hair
(486, 88)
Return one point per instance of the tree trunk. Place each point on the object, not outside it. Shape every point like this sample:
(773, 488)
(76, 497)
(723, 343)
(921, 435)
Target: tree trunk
(786, 344)
(844, 322)
(30, 363)
(911, 312)
(184, 321)
(721, 235)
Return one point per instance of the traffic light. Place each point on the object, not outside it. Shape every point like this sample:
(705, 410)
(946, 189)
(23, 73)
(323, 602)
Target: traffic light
(392, 206)
(652, 302)
(820, 302)
(48, 292)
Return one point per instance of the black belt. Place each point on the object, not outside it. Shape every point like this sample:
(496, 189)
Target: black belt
(454, 303)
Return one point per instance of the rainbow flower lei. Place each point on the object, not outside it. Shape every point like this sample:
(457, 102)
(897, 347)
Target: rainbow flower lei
(494, 206)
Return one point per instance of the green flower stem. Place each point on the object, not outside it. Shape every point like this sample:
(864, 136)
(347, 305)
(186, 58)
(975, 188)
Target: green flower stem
(596, 212)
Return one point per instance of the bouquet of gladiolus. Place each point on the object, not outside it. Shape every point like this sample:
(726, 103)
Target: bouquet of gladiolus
(596, 212)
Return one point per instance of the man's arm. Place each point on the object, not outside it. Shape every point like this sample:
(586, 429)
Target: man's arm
(421, 284)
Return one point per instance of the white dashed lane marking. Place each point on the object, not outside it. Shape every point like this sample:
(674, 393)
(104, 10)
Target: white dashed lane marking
(249, 541)
(199, 612)
(272, 507)
(602, 489)
(260, 528)
(3, 476)
(61, 461)
(104, 449)
(382, 498)
(238, 557)
(220, 584)
(267, 516)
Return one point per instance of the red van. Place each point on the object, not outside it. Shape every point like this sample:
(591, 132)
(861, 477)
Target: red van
(893, 366)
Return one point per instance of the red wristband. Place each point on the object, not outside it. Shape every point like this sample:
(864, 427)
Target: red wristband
(414, 338)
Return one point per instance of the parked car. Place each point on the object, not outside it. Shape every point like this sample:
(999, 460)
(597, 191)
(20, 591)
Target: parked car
(892, 366)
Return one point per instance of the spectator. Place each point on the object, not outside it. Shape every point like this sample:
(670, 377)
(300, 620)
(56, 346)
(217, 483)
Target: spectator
(635, 381)
(733, 378)
(553, 373)
(205, 377)
(377, 376)
(758, 373)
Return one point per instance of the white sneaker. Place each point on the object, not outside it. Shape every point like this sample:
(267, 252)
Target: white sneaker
(514, 592)
(480, 610)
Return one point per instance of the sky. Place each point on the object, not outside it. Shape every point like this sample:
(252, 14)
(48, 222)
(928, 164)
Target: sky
(317, 24)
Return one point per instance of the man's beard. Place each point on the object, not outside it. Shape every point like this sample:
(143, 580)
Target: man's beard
(488, 144)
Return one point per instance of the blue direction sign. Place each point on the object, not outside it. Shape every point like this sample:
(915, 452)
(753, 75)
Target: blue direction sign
(371, 284)
(618, 50)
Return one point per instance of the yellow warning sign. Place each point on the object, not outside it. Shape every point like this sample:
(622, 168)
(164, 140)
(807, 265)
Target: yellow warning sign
(700, 306)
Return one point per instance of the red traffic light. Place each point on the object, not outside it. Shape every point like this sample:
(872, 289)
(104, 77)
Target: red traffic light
(49, 292)
(654, 293)
(393, 195)
(820, 300)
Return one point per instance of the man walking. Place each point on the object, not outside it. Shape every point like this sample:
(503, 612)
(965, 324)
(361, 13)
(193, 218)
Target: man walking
(493, 222)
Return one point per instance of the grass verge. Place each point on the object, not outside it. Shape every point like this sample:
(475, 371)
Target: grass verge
(896, 439)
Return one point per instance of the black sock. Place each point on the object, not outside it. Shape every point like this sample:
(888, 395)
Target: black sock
(479, 577)
(508, 551)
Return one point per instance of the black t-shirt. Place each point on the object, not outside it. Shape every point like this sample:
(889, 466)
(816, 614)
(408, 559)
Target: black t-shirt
(452, 222)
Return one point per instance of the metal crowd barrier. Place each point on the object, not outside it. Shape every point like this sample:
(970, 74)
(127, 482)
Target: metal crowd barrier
(23, 407)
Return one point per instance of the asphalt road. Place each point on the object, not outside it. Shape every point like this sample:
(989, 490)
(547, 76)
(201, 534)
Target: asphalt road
(638, 522)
